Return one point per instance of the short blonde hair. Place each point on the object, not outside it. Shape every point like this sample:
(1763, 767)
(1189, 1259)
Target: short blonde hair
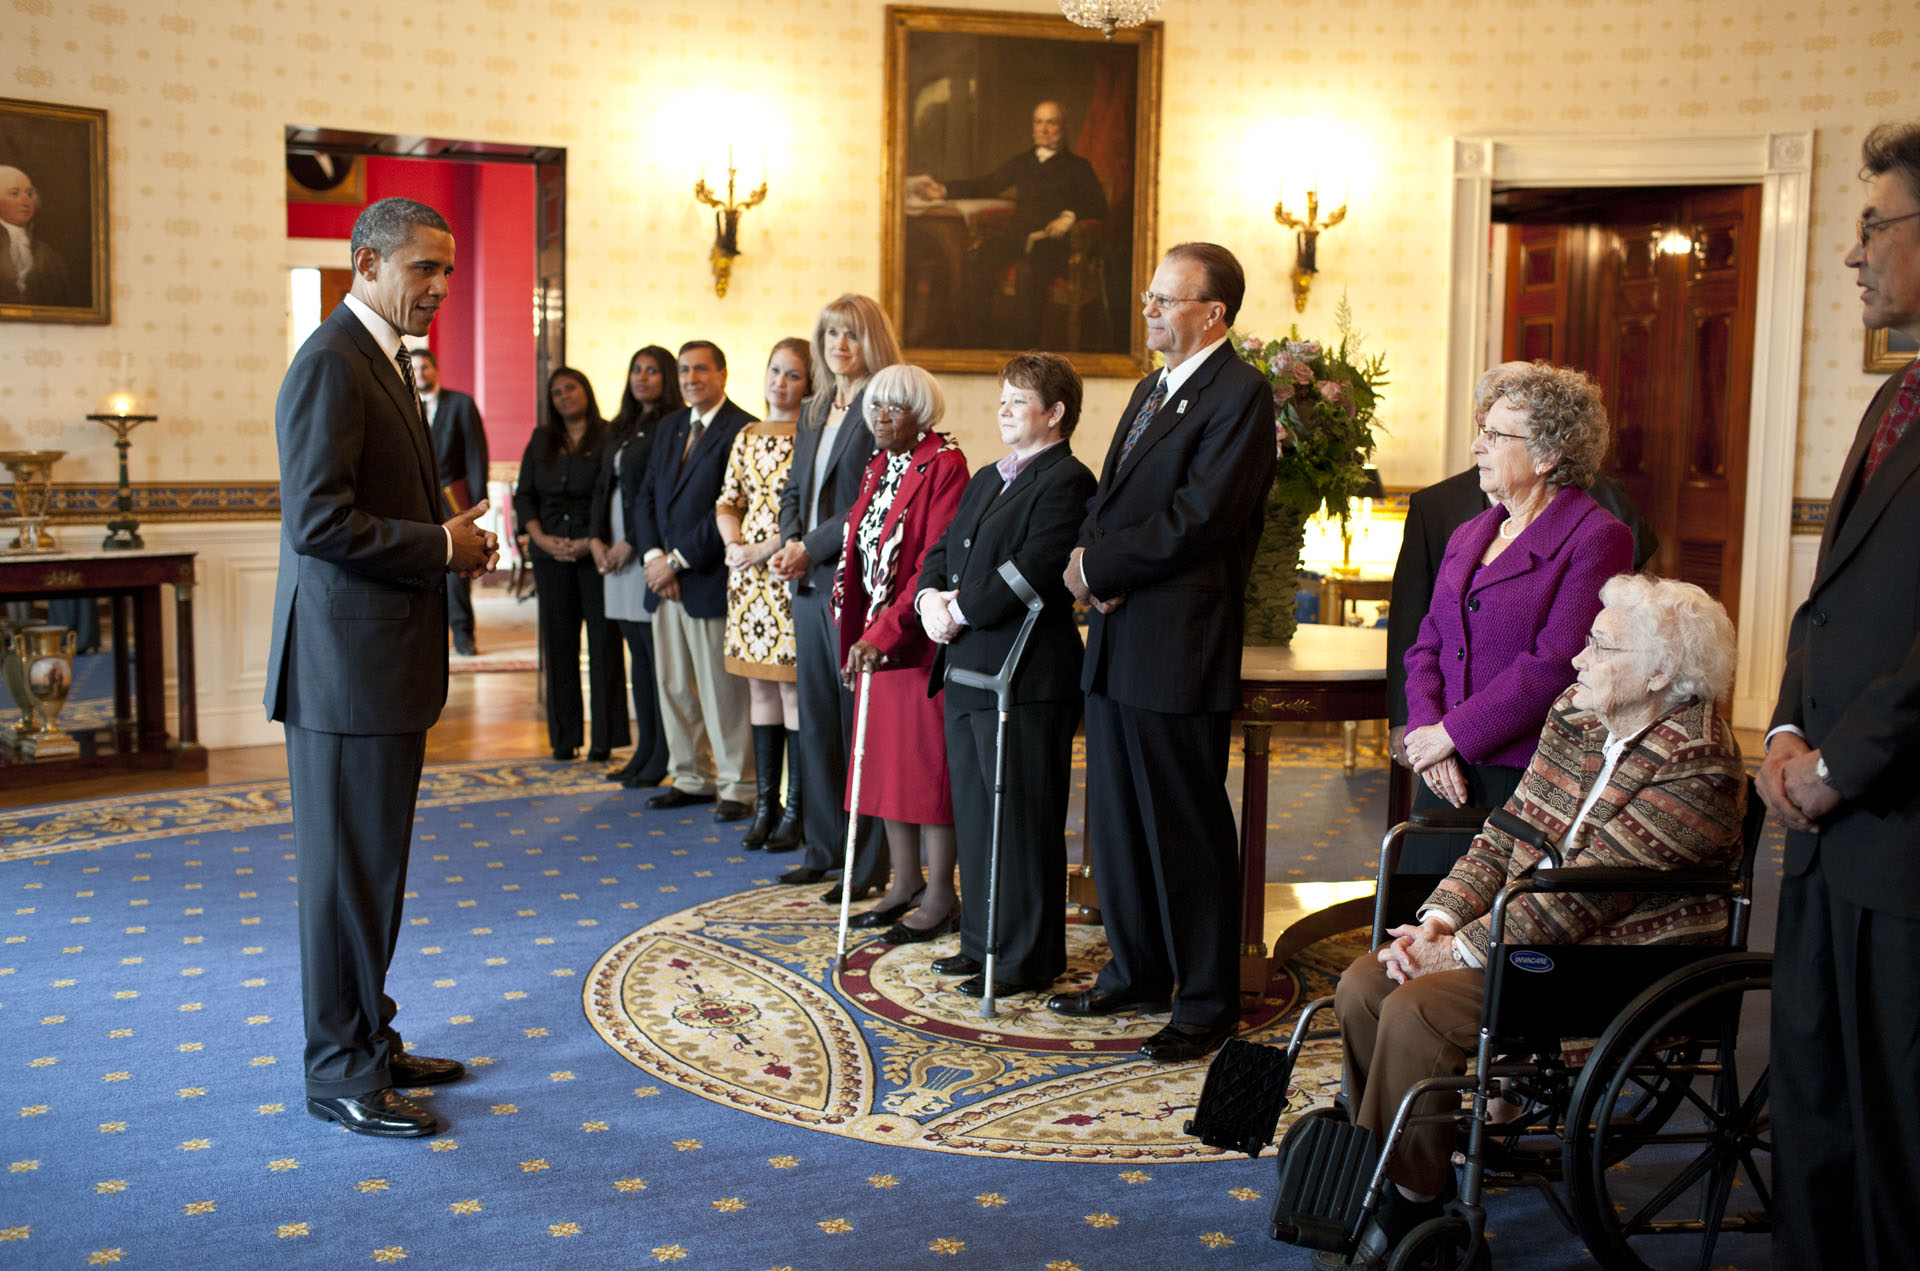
(1681, 632)
(1564, 411)
(908, 386)
(879, 347)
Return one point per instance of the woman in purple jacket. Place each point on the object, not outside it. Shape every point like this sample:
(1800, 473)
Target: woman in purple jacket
(1516, 592)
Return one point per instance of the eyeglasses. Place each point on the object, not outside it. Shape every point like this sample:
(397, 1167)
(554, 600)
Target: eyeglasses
(886, 410)
(1600, 650)
(1866, 229)
(1493, 435)
(1154, 300)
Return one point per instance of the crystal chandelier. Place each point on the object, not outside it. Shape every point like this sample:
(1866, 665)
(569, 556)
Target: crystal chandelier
(1109, 15)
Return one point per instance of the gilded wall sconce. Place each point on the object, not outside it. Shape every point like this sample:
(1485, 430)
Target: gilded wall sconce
(726, 222)
(1306, 243)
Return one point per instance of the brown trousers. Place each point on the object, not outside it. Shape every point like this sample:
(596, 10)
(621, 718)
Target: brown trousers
(1397, 1034)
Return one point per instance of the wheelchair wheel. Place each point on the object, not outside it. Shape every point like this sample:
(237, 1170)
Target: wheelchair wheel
(1440, 1244)
(1668, 1142)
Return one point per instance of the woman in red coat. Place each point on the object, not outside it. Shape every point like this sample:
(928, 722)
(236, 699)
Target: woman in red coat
(910, 492)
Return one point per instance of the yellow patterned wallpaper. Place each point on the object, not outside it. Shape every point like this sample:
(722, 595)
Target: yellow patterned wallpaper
(1364, 92)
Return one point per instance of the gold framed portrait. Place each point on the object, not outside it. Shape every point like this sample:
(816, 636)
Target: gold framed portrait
(53, 213)
(1021, 177)
(1888, 351)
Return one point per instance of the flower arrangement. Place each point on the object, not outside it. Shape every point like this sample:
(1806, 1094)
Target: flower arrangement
(1324, 401)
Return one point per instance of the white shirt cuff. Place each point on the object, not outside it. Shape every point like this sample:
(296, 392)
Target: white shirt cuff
(651, 553)
(449, 534)
(953, 609)
(1775, 732)
(1466, 954)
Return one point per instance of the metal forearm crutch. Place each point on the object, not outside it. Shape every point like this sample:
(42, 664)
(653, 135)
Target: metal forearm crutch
(1001, 686)
(863, 689)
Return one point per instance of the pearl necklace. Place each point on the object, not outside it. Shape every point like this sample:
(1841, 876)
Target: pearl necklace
(1503, 530)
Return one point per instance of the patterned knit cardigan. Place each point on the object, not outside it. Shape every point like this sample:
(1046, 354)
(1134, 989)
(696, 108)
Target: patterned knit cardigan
(1675, 801)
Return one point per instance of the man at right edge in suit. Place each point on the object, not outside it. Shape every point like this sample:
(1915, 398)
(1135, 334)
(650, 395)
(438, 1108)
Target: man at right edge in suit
(460, 454)
(357, 668)
(1163, 560)
(1842, 755)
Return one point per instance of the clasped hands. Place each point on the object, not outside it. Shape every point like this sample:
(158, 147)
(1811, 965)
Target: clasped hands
(936, 618)
(1416, 951)
(1430, 753)
(475, 551)
(747, 555)
(1076, 581)
(1790, 785)
(791, 562)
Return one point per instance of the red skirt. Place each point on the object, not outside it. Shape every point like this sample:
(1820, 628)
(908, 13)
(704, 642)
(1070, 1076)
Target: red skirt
(904, 774)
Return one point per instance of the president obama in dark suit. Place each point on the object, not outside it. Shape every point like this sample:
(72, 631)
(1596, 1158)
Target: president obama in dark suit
(1842, 755)
(460, 456)
(357, 668)
(1163, 557)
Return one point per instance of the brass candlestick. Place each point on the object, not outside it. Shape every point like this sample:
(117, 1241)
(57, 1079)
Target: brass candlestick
(123, 532)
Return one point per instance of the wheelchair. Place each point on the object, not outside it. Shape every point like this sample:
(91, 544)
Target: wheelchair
(1658, 1134)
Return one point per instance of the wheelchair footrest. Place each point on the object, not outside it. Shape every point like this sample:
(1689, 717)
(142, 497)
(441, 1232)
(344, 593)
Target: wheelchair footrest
(1244, 1094)
(1325, 1165)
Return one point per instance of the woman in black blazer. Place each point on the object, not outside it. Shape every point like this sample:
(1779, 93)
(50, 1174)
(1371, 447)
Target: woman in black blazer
(652, 393)
(1026, 508)
(553, 503)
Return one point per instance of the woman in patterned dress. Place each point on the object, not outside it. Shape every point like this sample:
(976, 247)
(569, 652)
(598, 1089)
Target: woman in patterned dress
(909, 494)
(759, 609)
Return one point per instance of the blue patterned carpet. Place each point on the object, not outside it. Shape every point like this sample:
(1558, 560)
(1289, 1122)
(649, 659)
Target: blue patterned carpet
(664, 1066)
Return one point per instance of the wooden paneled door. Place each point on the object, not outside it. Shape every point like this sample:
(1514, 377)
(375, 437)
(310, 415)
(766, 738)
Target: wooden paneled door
(1656, 303)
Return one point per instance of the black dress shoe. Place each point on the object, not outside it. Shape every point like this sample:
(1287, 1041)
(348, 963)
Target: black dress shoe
(901, 933)
(599, 754)
(564, 754)
(731, 810)
(423, 1070)
(638, 780)
(976, 986)
(954, 964)
(675, 797)
(1177, 1042)
(1088, 1002)
(887, 915)
(465, 647)
(384, 1114)
(802, 877)
(831, 896)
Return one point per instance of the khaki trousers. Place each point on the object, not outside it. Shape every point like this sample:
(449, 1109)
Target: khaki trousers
(701, 703)
(1397, 1034)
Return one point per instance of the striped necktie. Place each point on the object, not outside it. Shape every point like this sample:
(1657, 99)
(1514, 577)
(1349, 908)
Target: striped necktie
(1148, 409)
(405, 359)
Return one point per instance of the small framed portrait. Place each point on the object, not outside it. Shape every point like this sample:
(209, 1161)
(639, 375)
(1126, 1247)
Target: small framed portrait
(326, 178)
(1888, 351)
(1021, 172)
(53, 213)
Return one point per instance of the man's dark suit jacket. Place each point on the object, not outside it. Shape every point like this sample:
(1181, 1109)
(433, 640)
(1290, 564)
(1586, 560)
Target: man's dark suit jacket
(1064, 183)
(673, 509)
(460, 445)
(1852, 678)
(359, 610)
(1173, 529)
(1034, 524)
(852, 448)
(1433, 514)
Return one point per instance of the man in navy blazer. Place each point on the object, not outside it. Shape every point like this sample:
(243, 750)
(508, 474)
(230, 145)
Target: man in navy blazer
(460, 456)
(357, 666)
(1163, 559)
(1842, 754)
(673, 529)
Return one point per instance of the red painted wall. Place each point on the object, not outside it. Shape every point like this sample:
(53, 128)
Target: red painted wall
(483, 337)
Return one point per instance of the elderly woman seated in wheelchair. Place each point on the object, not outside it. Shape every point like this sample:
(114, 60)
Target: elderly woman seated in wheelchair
(1635, 769)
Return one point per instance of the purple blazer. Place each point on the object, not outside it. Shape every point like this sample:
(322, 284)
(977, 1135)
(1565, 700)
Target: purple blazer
(1495, 651)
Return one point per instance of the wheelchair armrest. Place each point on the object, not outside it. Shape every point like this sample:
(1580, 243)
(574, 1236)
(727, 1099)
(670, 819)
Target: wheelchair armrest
(1449, 818)
(1518, 830)
(1642, 881)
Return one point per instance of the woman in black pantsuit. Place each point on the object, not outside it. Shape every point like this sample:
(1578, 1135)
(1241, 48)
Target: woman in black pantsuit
(1026, 508)
(553, 502)
(652, 393)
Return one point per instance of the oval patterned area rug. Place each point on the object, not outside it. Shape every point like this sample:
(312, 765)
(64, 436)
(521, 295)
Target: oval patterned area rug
(738, 1001)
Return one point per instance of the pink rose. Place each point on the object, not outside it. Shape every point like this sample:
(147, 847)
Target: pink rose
(1302, 373)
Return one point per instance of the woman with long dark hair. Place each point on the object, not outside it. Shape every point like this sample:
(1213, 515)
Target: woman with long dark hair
(553, 503)
(652, 393)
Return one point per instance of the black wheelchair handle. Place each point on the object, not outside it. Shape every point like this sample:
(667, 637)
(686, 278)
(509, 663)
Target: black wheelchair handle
(1509, 824)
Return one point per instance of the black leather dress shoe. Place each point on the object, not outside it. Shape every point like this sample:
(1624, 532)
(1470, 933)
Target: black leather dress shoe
(1090, 1002)
(831, 896)
(976, 986)
(955, 964)
(802, 877)
(564, 754)
(639, 780)
(1177, 1043)
(465, 647)
(901, 933)
(384, 1114)
(599, 754)
(887, 915)
(423, 1070)
(731, 810)
(675, 797)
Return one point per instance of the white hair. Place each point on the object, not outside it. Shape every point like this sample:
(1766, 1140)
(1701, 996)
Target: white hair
(1682, 631)
(912, 387)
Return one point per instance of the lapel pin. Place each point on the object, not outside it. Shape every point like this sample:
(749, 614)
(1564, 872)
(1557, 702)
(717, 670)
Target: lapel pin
(1183, 407)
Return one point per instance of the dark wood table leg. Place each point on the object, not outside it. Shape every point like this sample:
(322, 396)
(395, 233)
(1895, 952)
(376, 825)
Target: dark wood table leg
(1254, 969)
(189, 753)
(122, 673)
(150, 689)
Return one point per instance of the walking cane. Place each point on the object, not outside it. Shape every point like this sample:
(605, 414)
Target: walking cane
(863, 689)
(1001, 686)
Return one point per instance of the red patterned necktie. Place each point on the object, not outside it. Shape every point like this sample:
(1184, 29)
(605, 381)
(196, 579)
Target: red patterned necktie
(1894, 422)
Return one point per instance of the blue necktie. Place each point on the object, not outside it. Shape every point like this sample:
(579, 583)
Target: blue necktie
(1148, 409)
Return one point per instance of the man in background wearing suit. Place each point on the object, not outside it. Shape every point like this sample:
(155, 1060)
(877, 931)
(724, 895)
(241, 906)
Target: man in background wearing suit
(1842, 755)
(357, 667)
(1052, 188)
(1163, 559)
(460, 457)
(1433, 514)
(686, 565)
